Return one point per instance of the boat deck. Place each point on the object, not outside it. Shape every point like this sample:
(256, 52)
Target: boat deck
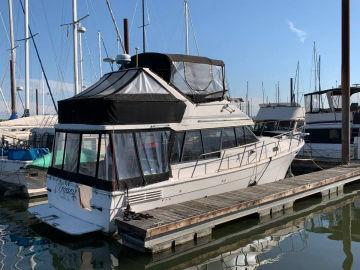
(166, 227)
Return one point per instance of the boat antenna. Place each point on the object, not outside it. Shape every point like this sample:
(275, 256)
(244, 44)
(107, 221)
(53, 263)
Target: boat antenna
(186, 14)
(118, 36)
(143, 25)
(292, 98)
(247, 97)
(319, 72)
(263, 92)
(100, 53)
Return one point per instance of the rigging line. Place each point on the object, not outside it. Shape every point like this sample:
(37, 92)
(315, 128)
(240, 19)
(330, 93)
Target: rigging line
(193, 31)
(133, 16)
(95, 17)
(5, 30)
(106, 52)
(90, 56)
(59, 71)
(118, 36)
(40, 61)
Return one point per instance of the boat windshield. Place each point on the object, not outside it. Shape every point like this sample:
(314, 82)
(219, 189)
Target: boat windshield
(111, 161)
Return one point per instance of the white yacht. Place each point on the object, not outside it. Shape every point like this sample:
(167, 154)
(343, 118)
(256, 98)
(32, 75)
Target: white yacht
(276, 118)
(323, 124)
(157, 132)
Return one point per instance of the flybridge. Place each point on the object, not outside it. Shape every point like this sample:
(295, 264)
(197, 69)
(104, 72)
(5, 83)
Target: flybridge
(201, 79)
(129, 96)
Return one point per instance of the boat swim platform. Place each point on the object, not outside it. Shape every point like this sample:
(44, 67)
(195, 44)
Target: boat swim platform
(165, 228)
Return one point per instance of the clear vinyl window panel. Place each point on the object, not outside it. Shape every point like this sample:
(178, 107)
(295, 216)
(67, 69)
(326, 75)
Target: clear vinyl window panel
(106, 167)
(211, 140)
(177, 147)
(153, 151)
(126, 160)
(71, 154)
(228, 139)
(192, 146)
(58, 152)
(196, 78)
(88, 154)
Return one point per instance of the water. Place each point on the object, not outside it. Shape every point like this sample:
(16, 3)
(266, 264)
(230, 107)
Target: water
(316, 235)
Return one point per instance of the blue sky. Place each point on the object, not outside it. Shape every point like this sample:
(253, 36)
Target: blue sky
(259, 40)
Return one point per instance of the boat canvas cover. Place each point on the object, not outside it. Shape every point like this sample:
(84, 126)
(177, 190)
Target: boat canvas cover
(199, 78)
(130, 96)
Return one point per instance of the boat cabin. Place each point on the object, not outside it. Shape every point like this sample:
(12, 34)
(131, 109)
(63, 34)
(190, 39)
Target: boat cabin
(277, 118)
(124, 131)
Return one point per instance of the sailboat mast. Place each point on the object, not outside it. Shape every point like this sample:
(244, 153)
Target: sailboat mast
(75, 47)
(12, 63)
(27, 66)
(186, 13)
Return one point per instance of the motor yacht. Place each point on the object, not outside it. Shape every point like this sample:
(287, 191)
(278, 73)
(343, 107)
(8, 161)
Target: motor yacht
(323, 124)
(273, 119)
(158, 131)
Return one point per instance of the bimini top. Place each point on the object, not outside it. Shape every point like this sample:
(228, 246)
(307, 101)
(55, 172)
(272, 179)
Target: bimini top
(334, 91)
(129, 96)
(201, 79)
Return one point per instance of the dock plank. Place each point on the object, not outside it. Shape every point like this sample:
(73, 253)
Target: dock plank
(168, 219)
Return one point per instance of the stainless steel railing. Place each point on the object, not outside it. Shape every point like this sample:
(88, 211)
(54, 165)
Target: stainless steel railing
(249, 150)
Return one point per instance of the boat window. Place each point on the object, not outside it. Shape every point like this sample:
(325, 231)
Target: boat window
(270, 126)
(71, 152)
(228, 139)
(58, 153)
(126, 160)
(198, 79)
(315, 103)
(143, 84)
(88, 154)
(285, 125)
(153, 151)
(106, 169)
(177, 147)
(324, 136)
(249, 136)
(307, 101)
(192, 146)
(211, 140)
(240, 135)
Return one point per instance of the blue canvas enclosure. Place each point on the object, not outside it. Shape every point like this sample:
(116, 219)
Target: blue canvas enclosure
(27, 154)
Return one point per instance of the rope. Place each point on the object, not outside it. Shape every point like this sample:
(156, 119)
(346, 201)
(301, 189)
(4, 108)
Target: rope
(90, 56)
(193, 31)
(5, 29)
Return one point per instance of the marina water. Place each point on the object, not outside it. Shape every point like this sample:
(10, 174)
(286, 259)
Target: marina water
(318, 235)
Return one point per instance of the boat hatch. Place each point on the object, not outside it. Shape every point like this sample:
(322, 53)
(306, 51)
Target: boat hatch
(62, 221)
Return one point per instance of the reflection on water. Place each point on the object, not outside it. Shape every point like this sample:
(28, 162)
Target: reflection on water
(315, 236)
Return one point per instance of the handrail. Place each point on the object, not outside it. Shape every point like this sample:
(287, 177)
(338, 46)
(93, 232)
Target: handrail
(296, 136)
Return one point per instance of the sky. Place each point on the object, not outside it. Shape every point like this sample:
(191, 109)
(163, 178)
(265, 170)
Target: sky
(260, 41)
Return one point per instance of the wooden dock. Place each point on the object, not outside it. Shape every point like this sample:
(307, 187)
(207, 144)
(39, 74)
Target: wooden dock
(177, 224)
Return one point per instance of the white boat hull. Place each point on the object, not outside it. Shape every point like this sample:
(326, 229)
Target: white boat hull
(99, 208)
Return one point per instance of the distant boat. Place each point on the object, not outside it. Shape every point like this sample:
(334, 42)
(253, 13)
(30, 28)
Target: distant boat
(277, 118)
(323, 124)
